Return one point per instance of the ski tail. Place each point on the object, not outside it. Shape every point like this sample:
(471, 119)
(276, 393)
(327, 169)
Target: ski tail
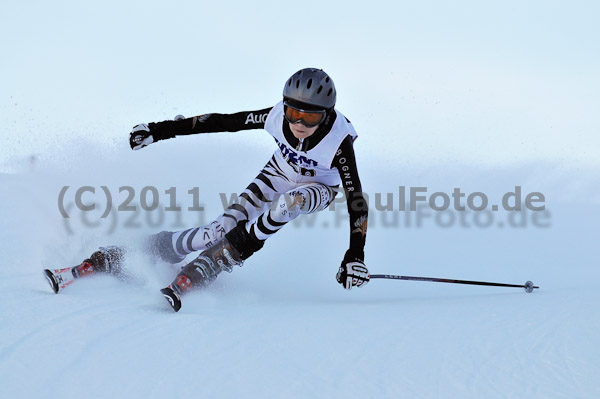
(172, 297)
(59, 278)
(52, 280)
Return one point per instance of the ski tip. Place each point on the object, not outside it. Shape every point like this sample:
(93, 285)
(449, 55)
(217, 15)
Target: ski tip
(51, 280)
(172, 297)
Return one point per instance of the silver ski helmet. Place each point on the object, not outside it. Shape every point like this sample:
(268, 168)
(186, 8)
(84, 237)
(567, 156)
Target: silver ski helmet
(311, 86)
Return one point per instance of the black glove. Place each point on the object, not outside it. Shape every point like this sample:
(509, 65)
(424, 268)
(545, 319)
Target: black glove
(143, 135)
(352, 272)
(140, 137)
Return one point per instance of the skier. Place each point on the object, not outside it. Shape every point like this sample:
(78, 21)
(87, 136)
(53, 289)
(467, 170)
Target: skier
(314, 156)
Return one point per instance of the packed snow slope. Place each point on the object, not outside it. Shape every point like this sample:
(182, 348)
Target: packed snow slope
(481, 96)
(281, 326)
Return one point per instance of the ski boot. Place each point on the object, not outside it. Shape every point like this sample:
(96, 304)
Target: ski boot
(107, 260)
(236, 247)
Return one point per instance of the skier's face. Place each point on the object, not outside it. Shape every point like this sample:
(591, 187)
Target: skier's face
(301, 132)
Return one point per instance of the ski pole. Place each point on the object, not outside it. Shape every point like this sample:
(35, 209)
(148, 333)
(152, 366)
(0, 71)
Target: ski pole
(528, 286)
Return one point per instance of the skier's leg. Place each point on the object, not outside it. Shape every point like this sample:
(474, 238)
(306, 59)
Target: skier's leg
(248, 237)
(309, 198)
(172, 247)
(231, 251)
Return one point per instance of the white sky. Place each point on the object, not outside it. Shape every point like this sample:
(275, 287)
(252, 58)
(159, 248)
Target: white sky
(476, 82)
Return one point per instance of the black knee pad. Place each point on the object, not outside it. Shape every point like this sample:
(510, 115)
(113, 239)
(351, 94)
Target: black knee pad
(242, 241)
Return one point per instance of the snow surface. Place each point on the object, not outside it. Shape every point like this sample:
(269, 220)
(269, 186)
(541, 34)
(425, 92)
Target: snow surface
(281, 326)
(484, 96)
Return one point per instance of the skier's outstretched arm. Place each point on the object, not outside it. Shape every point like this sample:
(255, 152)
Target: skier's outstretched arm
(144, 134)
(352, 271)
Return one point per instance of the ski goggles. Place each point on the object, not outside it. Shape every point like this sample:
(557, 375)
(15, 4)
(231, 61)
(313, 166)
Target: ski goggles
(307, 118)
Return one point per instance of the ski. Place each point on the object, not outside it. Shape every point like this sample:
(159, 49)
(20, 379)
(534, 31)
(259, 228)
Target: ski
(172, 297)
(106, 260)
(59, 278)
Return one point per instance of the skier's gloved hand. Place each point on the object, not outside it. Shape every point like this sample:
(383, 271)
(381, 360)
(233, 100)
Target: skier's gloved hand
(140, 137)
(144, 134)
(352, 272)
